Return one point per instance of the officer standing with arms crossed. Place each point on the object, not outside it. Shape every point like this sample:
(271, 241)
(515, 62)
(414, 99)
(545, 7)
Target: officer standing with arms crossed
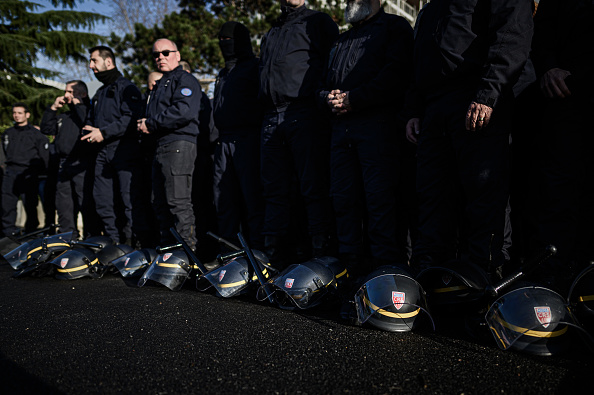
(295, 133)
(27, 155)
(116, 106)
(172, 116)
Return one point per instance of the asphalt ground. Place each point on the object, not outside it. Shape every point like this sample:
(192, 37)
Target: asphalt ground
(105, 336)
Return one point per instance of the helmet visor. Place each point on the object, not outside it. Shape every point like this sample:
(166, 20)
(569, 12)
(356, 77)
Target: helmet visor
(22, 253)
(228, 280)
(171, 275)
(529, 315)
(131, 264)
(297, 286)
(19, 255)
(393, 302)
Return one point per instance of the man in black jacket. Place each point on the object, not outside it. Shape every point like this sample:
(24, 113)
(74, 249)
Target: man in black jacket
(295, 135)
(75, 156)
(562, 54)
(172, 116)
(468, 54)
(116, 106)
(27, 155)
(238, 118)
(366, 83)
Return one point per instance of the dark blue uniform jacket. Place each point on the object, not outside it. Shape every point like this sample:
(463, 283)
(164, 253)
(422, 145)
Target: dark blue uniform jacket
(172, 112)
(235, 104)
(116, 107)
(477, 44)
(26, 147)
(373, 61)
(67, 129)
(293, 57)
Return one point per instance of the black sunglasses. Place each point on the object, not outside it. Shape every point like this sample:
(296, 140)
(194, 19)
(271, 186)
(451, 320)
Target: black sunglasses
(165, 53)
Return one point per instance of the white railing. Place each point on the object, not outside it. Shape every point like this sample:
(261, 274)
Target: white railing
(403, 8)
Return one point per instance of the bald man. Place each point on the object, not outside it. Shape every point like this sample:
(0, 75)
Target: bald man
(172, 117)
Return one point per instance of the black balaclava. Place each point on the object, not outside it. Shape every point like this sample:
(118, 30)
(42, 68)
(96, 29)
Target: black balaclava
(108, 77)
(238, 46)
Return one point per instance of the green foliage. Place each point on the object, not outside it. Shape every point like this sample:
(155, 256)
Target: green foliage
(194, 29)
(25, 35)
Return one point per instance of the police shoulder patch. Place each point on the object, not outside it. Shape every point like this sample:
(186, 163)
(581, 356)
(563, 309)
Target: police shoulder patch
(186, 92)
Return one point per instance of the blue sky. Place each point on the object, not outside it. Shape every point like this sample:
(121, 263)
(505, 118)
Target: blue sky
(71, 70)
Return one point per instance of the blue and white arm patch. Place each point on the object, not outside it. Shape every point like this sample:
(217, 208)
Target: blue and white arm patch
(186, 92)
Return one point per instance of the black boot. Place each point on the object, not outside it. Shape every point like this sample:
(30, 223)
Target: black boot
(275, 249)
(319, 245)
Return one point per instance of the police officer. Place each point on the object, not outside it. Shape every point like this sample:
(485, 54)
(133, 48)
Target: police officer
(467, 56)
(562, 53)
(172, 116)
(27, 155)
(116, 106)
(366, 83)
(75, 156)
(295, 135)
(238, 118)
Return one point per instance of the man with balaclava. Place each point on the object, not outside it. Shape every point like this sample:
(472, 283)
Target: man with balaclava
(116, 106)
(27, 155)
(172, 116)
(365, 87)
(238, 118)
(73, 189)
(467, 57)
(295, 134)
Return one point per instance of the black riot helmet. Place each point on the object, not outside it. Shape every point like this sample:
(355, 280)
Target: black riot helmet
(39, 249)
(133, 263)
(581, 298)
(235, 42)
(454, 282)
(233, 277)
(534, 320)
(111, 252)
(170, 269)
(390, 299)
(305, 285)
(76, 263)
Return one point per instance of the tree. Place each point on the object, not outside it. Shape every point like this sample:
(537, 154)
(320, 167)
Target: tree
(127, 13)
(25, 35)
(194, 29)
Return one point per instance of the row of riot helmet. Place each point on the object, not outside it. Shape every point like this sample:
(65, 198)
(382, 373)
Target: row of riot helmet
(520, 315)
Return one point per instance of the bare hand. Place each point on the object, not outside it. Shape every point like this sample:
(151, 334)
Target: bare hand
(94, 135)
(478, 116)
(552, 83)
(59, 103)
(413, 127)
(141, 126)
(339, 102)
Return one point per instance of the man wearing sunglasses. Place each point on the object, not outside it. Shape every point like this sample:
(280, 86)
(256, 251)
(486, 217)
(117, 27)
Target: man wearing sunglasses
(172, 117)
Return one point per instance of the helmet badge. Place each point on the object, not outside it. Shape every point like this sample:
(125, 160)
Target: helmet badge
(543, 314)
(398, 299)
(63, 262)
(167, 256)
(289, 282)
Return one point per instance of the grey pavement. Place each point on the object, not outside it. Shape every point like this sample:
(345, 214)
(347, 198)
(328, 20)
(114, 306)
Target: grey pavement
(104, 336)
